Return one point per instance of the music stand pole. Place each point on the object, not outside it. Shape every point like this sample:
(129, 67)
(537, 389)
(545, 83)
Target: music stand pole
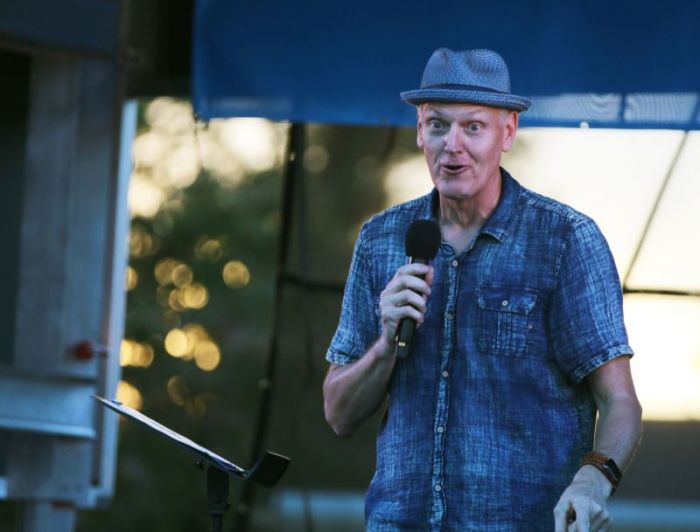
(217, 496)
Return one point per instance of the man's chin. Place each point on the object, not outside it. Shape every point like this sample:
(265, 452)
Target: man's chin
(455, 191)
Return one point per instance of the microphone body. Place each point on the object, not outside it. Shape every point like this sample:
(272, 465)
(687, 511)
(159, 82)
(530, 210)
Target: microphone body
(407, 326)
(422, 244)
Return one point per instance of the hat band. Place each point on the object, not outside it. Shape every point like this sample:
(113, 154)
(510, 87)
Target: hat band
(457, 86)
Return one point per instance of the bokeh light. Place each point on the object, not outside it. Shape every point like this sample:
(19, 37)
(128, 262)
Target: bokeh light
(137, 354)
(236, 274)
(170, 116)
(131, 279)
(192, 342)
(181, 275)
(178, 390)
(145, 197)
(149, 148)
(196, 332)
(174, 301)
(129, 395)
(164, 270)
(407, 179)
(316, 158)
(251, 141)
(207, 355)
(177, 344)
(201, 403)
(208, 249)
(169, 156)
(195, 296)
(180, 394)
(142, 243)
(187, 294)
(182, 167)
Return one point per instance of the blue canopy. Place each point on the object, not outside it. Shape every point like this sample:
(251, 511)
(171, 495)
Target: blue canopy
(81, 26)
(610, 63)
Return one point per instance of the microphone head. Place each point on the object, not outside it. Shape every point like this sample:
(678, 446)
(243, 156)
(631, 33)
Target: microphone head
(423, 239)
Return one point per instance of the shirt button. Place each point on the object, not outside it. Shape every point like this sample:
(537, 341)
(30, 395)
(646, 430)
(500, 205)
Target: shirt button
(504, 303)
(441, 429)
(455, 263)
(449, 316)
(445, 374)
(438, 487)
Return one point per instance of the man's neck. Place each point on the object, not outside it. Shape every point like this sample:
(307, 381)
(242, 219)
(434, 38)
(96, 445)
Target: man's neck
(461, 218)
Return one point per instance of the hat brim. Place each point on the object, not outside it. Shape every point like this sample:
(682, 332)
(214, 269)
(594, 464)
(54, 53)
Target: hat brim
(452, 95)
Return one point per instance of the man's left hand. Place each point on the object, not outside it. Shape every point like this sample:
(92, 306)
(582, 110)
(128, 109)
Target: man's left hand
(583, 505)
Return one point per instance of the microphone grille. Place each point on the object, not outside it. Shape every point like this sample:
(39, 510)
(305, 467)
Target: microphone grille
(423, 239)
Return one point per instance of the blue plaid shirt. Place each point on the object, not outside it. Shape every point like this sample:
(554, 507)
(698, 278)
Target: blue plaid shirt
(489, 416)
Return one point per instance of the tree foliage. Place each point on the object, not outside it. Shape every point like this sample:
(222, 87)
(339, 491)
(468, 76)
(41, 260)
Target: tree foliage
(201, 228)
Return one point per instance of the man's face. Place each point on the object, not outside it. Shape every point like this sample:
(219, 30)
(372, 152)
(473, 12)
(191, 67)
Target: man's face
(463, 145)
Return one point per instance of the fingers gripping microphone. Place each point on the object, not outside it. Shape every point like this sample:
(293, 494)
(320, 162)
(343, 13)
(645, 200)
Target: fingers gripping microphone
(422, 243)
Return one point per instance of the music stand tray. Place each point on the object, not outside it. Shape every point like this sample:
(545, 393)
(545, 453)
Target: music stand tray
(266, 471)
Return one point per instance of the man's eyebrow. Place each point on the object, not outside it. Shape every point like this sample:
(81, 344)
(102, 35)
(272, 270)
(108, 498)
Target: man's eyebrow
(432, 113)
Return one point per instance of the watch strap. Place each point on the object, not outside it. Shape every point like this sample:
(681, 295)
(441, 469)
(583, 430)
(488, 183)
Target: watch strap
(605, 465)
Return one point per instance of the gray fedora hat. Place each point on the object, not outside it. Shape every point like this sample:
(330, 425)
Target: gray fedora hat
(469, 76)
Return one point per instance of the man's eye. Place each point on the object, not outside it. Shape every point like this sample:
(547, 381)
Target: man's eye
(435, 124)
(474, 126)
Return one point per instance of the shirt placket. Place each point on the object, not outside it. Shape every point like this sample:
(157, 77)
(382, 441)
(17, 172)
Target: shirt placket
(437, 514)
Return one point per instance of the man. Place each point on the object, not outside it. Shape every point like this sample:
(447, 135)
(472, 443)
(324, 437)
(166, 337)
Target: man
(490, 420)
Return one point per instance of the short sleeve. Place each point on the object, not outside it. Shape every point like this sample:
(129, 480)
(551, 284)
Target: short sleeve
(358, 326)
(586, 316)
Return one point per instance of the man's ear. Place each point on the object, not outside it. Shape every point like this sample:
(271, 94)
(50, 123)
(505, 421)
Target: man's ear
(419, 130)
(510, 128)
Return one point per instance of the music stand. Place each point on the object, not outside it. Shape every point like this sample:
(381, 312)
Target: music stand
(267, 471)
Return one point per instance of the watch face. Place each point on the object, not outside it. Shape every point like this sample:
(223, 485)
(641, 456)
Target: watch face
(613, 468)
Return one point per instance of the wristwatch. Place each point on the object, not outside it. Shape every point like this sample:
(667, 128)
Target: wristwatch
(605, 465)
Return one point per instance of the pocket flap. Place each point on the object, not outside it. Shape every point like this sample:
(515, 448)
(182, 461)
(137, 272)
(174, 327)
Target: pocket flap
(506, 299)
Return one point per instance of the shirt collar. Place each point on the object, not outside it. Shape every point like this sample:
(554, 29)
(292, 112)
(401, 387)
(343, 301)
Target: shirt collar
(498, 224)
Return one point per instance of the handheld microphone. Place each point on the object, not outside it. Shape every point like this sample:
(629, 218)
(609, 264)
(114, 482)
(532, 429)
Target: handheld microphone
(422, 244)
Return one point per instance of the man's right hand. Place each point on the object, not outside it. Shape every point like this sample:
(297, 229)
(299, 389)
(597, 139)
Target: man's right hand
(405, 297)
(353, 392)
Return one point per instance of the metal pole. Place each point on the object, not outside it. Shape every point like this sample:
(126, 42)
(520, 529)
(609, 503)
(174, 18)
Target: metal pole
(654, 210)
(295, 151)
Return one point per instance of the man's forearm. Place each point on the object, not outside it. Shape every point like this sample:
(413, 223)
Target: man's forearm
(618, 434)
(353, 392)
(619, 429)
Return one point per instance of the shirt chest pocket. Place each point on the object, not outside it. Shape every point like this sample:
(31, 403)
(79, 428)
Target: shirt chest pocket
(503, 319)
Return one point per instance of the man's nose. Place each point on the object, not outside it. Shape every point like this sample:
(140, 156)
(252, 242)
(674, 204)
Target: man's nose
(454, 141)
